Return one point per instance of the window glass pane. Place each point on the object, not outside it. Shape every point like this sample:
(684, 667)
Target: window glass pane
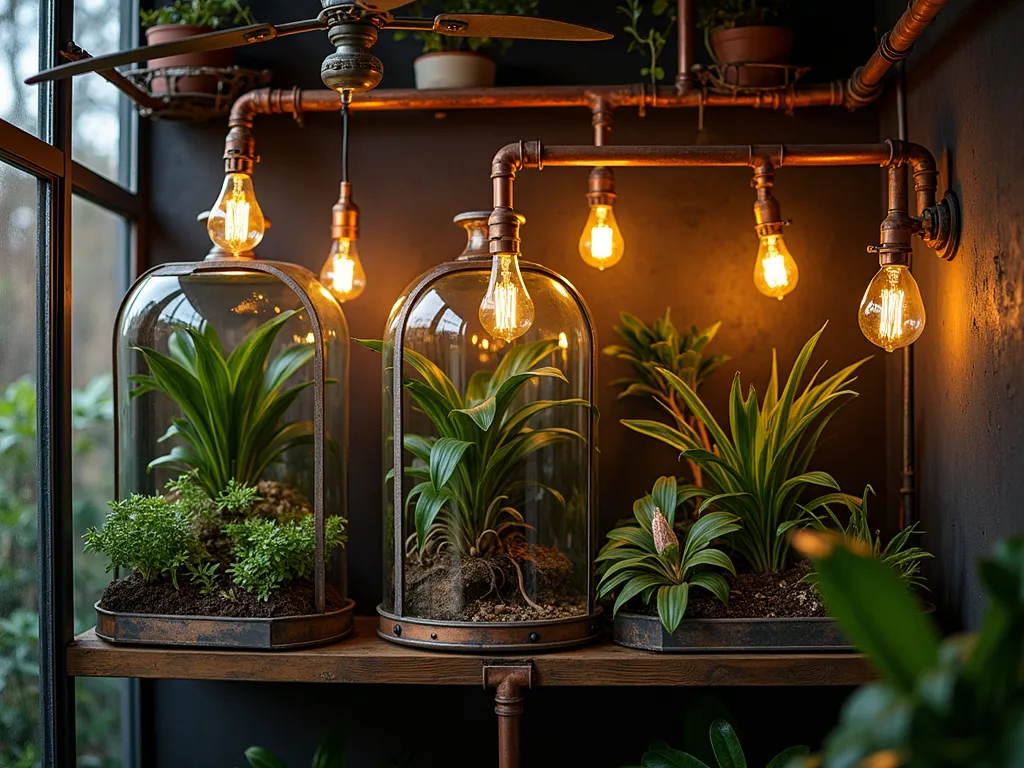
(100, 117)
(19, 627)
(19, 58)
(99, 255)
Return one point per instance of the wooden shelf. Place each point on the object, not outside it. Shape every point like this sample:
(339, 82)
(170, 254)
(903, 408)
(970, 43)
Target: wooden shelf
(365, 658)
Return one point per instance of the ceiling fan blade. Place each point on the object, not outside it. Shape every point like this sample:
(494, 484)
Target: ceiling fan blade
(519, 27)
(381, 5)
(210, 41)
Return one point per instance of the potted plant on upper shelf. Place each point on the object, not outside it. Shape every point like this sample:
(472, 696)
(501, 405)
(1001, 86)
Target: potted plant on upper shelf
(745, 41)
(458, 62)
(186, 18)
(759, 474)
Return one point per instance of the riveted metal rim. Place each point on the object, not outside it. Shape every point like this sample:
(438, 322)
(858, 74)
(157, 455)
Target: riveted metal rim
(490, 637)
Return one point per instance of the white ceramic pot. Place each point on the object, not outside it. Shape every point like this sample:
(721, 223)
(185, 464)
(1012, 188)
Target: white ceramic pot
(454, 69)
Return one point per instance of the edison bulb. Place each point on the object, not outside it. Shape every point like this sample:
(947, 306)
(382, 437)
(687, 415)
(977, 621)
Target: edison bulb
(601, 244)
(236, 222)
(506, 311)
(892, 311)
(775, 272)
(343, 272)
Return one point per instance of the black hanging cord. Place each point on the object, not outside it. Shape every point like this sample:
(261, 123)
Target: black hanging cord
(346, 98)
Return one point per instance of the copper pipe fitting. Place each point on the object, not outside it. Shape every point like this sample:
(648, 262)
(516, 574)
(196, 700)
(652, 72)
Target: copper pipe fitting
(865, 84)
(767, 213)
(685, 80)
(897, 229)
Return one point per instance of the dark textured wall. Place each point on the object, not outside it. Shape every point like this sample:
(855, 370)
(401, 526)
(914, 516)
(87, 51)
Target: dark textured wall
(690, 244)
(964, 102)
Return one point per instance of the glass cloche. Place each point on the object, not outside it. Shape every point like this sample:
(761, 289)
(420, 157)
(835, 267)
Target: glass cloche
(489, 460)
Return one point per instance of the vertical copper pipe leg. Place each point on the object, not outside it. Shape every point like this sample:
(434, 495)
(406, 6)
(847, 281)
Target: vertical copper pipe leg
(508, 706)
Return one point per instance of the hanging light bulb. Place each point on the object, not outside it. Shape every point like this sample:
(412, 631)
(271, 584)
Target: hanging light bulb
(892, 311)
(601, 244)
(236, 222)
(506, 311)
(775, 271)
(343, 273)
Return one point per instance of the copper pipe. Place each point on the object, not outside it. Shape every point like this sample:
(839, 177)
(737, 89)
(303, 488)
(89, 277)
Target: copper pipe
(508, 706)
(685, 80)
(865, 84)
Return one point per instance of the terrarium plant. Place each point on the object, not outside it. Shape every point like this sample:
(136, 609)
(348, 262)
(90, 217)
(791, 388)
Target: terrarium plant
(649, 349)
(904, 559)
(648, 35)
(470, 484)
(645, 558)
(232, 406)
(759, 470)
(215, 14)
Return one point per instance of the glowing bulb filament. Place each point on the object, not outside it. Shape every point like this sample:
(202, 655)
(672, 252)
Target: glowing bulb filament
(601, 244)
(774, 266)
(344, 274)
(890, 323)
(236, 219)
(506, 300)
(601, 237)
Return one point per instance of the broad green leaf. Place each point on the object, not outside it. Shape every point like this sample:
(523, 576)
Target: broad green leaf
(786, 757)
(445, 456)
(428, 504)
(332, 751)
(263, 758)
(665, 497)
(635, 587)
(714, 583)
(726, 745)
(672, 605)
(482, 414)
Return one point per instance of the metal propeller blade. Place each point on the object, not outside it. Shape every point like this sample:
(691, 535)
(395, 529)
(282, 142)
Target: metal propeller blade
(493, 25)
(210, 41)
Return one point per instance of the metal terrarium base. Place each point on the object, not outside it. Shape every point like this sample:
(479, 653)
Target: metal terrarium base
(805, 635)
(280, 633)
(486, 637)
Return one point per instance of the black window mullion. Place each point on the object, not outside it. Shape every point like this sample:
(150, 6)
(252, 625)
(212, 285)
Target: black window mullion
(56, 574)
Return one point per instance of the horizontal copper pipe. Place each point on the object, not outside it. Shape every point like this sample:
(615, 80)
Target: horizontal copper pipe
(865, 84)
(743, 155)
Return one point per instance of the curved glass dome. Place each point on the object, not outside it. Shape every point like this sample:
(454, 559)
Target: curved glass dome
(489, 462)
(235, 371)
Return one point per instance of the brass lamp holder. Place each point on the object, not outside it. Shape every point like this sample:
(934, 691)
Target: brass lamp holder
(601, 187)
(345, 215)
(767, 212)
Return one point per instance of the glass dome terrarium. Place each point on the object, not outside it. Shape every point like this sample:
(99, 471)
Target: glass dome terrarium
(231, 414)
(490, 449)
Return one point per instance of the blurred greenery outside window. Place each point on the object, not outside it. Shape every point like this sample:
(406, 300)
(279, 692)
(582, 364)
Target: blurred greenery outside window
(102, 128)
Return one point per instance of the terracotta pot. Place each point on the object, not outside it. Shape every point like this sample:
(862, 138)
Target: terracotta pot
(454, 69)
(165, 33)
(752, 45)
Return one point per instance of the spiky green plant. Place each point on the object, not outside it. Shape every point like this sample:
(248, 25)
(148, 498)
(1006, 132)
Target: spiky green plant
(904, 559)
(231, 406)
(470, 475)
(661, 346)
(726, 748)
(759, 471)
(644, 558)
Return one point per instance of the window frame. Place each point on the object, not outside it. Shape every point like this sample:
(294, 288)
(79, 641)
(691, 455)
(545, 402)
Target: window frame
(48, 158)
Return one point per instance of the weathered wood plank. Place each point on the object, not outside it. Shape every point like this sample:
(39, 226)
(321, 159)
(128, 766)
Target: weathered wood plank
(365, 658)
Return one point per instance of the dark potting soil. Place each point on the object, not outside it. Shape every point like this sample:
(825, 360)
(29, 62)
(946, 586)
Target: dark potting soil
(761, 596)
(133, 595)
(451, 588)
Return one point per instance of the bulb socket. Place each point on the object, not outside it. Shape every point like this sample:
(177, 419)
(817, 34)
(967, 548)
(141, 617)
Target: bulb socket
(601, 187)
(345, 215)
(767, 212)
(503, 231)
(240, 151)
